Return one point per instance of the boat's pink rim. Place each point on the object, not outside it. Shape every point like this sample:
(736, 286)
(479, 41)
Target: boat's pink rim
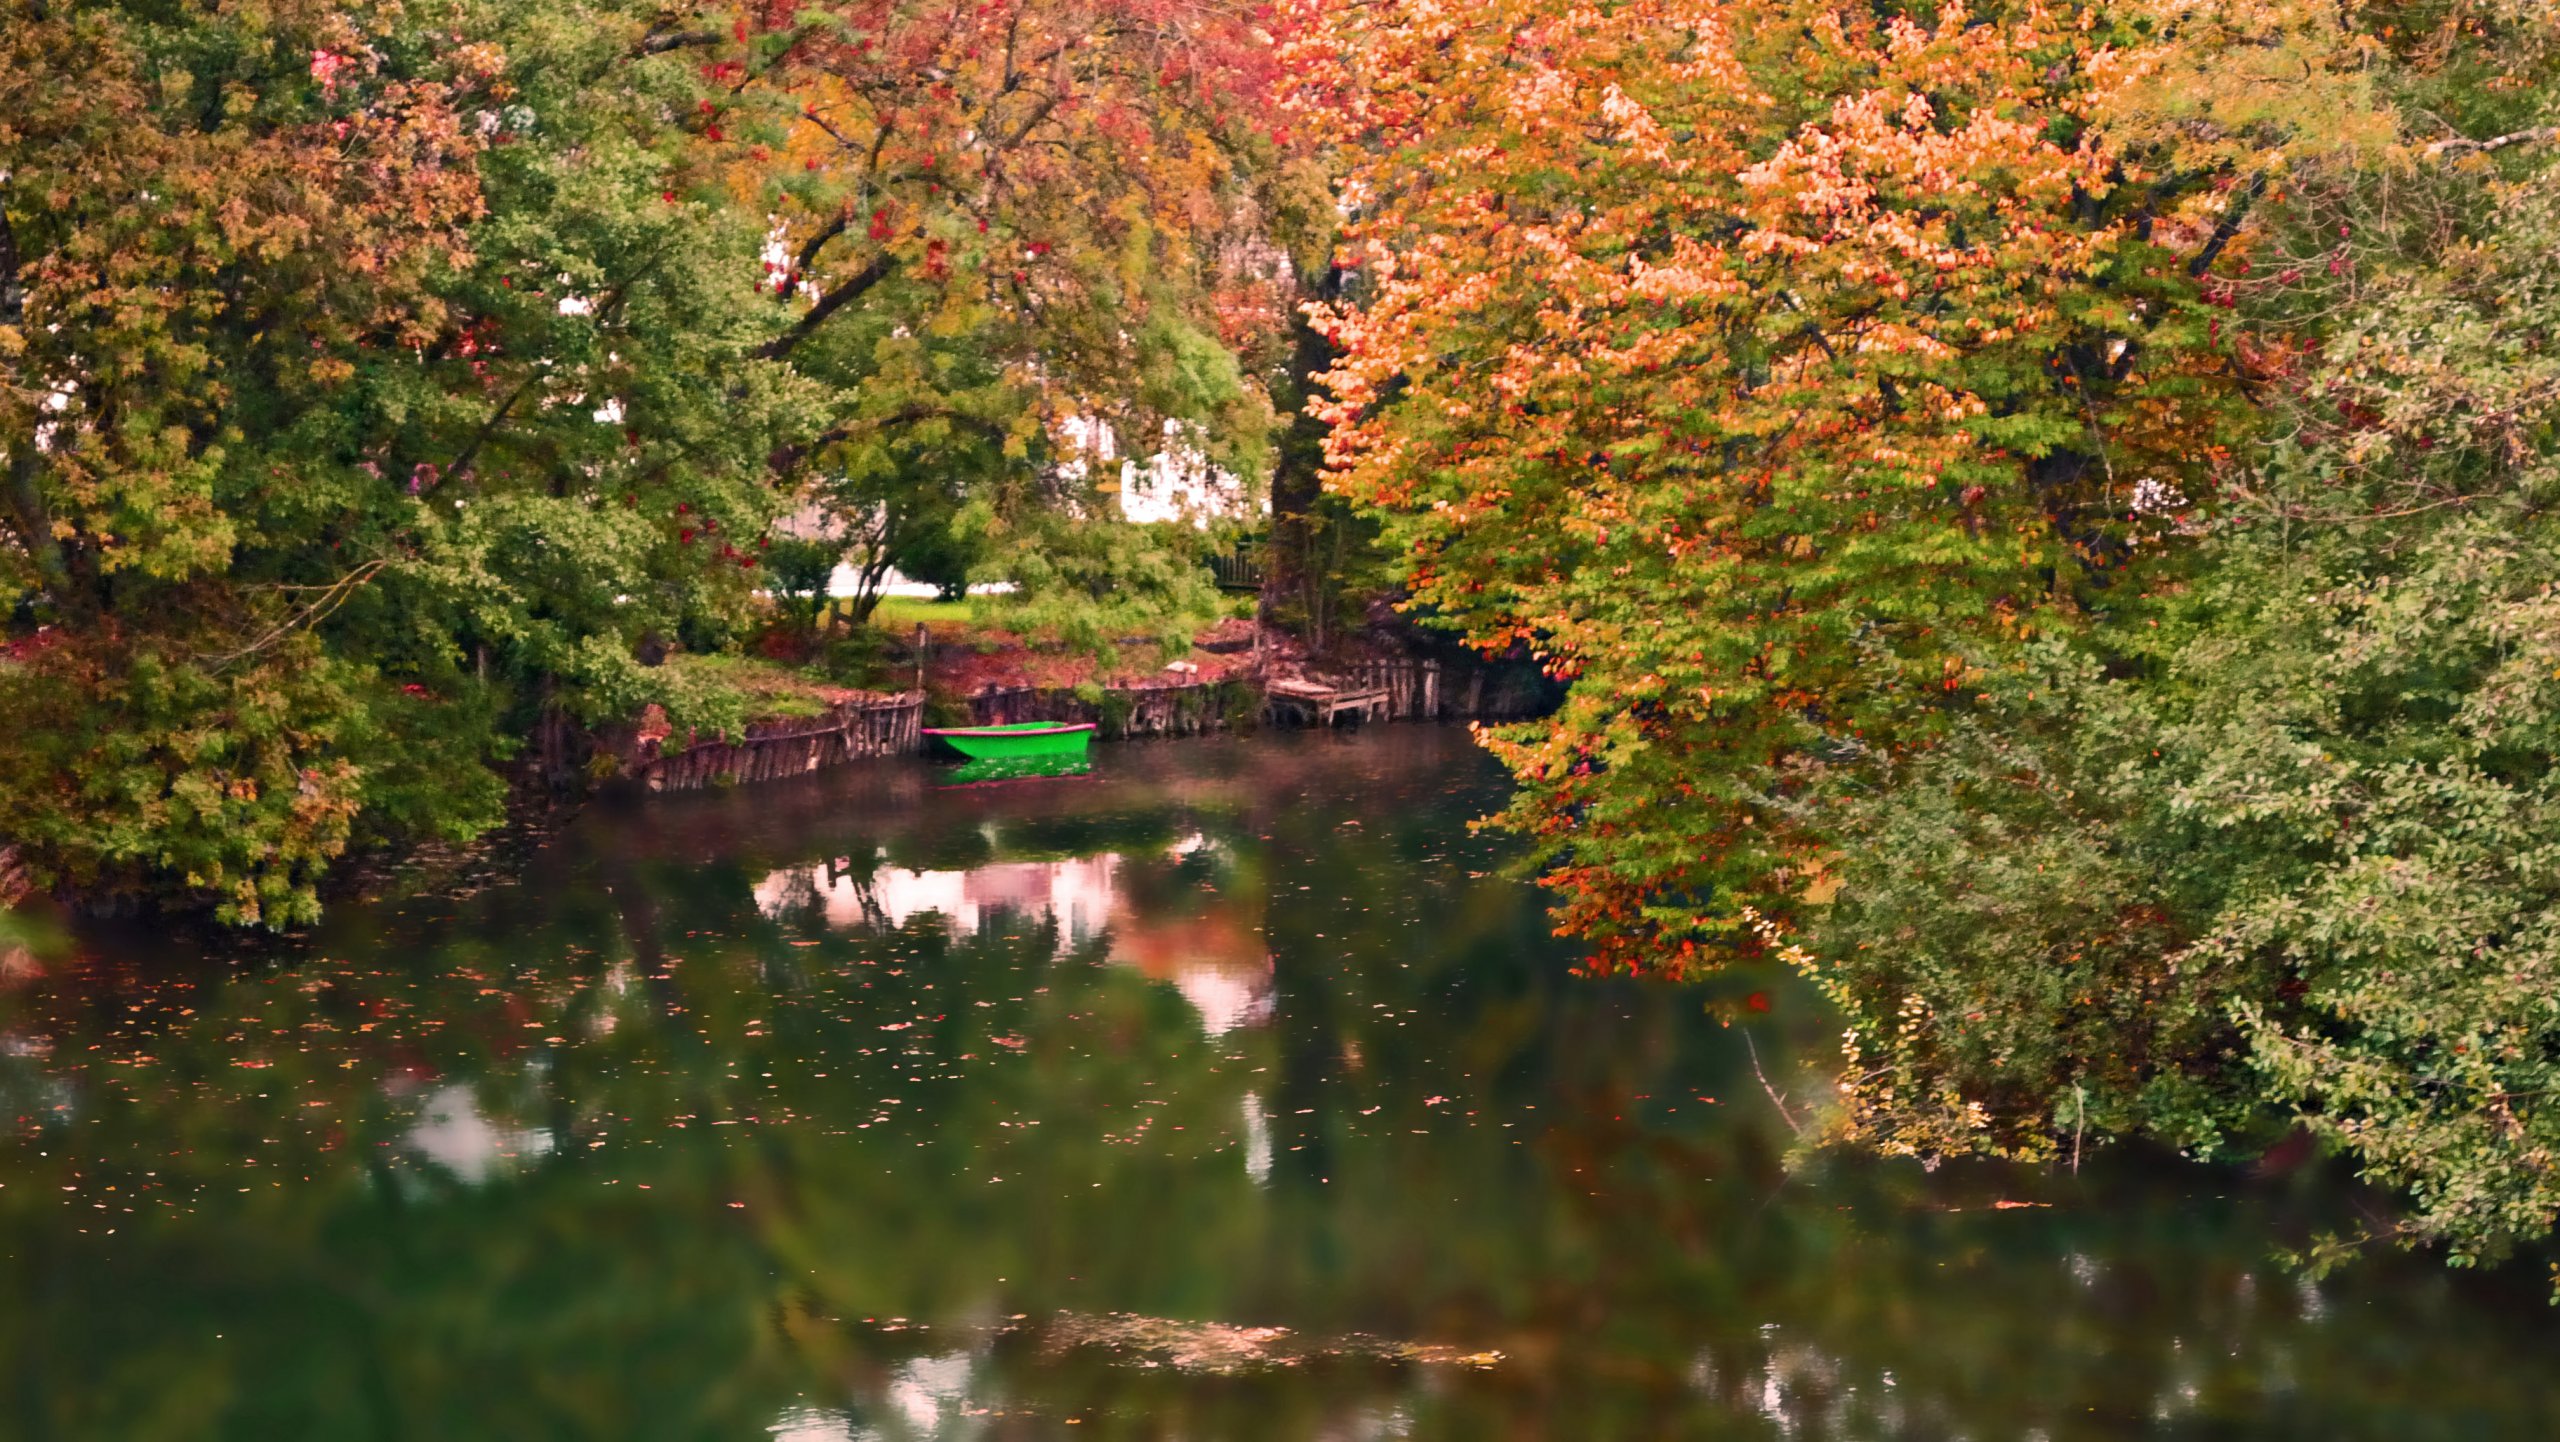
(1056, 730)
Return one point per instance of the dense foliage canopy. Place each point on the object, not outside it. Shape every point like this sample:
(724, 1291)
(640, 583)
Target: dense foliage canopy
(1810, 343)
(2042, 508)
(386, 383)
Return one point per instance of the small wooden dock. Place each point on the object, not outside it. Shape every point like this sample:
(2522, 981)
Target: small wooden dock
(1317, 703)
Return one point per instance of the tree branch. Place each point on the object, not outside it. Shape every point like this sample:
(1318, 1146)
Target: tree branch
(33, 521)
(12, 299)
(332, 596)
(2458, 146)
(460, 466)
(789, 457)
(659, 42)
(828, 304)
(2229, 226)
(818, 242)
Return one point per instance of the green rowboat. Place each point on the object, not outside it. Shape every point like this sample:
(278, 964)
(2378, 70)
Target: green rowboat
(1022, 738)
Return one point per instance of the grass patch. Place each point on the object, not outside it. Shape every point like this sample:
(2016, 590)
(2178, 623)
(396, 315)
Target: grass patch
(901, 613)
(770, 690)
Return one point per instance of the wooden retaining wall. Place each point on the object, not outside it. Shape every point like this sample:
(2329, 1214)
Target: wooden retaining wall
(774, 749)
(1417, 690)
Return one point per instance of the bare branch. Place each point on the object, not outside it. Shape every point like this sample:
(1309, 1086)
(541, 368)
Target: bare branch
(332, 596)
(1775, 1099)
(2458, 146)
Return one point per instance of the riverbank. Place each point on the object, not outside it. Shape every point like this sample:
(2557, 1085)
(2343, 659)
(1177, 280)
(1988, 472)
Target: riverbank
(985, 677)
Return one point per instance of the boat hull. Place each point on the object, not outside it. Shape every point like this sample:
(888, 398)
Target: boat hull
(1020, 740)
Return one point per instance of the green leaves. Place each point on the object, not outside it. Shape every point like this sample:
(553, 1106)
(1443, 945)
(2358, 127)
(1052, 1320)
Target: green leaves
(465, 354)
(2291, 845)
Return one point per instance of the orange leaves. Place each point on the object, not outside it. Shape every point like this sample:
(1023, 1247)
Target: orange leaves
(1849, 304)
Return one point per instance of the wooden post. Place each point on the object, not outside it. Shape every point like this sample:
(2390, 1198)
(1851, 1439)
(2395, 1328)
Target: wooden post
(921, 635)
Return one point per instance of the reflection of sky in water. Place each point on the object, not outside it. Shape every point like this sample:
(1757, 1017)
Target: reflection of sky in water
(452, 1133)
(1212, 955)
(928, 1388)
(815, 1424)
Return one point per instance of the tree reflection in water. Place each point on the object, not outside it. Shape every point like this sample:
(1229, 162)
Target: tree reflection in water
(1232, 1092)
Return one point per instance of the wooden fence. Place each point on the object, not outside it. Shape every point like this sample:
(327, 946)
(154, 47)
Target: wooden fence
(1239, 569)
(774, 749)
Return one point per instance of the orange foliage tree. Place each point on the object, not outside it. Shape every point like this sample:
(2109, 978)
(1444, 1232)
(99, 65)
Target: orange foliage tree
(1755, 363)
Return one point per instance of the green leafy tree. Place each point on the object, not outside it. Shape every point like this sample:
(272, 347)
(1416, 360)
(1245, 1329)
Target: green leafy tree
(382, 386)
(2278, 852)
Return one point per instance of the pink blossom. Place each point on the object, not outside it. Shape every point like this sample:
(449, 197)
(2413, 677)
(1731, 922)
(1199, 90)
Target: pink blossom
(325, 65)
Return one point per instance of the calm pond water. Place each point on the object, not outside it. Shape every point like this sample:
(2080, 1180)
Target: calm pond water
(1232, 1091)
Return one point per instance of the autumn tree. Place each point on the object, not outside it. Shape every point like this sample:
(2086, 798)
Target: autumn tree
(1749, 361)
(200, 225)
(387, 386)
(2042, 507)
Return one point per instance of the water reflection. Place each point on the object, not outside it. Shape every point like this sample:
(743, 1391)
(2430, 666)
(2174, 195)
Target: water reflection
(1075, 894)
(1178, 926)
(1232, 1092)
(452, 1134)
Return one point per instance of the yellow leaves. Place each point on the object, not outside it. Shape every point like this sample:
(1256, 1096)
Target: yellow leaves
(483, 60)
(2246, 84)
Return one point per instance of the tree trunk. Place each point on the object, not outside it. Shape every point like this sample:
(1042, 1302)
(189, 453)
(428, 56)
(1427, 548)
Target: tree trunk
(1290, 576)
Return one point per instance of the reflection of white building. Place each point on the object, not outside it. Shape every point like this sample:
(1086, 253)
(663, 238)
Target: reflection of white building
(1077, 892)
(1227, 996)
(818, 1424)
(1213, 955)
